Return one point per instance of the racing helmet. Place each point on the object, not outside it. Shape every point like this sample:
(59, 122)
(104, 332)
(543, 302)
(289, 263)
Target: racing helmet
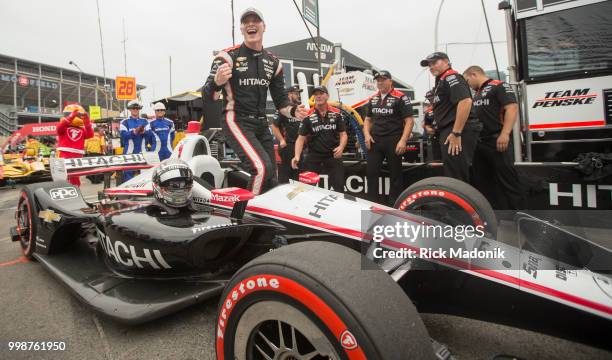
(172, 183)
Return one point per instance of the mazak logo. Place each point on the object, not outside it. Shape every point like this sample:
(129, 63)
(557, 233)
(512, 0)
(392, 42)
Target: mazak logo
(225, 198)
(66, 193)
(75, 134)
(348, 341)
(566, 98)
(254, 82)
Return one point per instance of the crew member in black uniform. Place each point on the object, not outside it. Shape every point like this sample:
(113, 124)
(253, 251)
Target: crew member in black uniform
(496, 107)
(387, 127)
(285, 130)
(245, 73)
(430, 131)
(326, 131)
(452, 103)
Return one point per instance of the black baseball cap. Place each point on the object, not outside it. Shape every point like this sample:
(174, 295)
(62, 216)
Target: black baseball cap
(320, 88)
(251, 11)
(384, 73)
(433, 57)
(293, 88)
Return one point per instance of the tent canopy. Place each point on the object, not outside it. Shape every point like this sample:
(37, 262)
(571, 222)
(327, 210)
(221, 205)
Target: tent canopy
(183, 97)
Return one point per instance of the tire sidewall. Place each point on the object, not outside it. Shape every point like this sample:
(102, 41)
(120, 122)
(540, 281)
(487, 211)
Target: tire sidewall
(284, 275)
(25, 195)
(477, 208)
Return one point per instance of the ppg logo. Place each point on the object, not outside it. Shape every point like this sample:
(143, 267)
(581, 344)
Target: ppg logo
(63, 193)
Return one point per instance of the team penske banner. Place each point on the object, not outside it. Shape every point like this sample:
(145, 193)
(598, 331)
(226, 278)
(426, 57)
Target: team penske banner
(567, 104)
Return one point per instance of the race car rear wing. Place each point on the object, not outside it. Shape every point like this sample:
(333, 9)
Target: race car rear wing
(62, 169)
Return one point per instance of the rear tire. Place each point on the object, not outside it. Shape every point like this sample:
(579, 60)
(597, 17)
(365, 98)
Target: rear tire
(450, 197)
(313, 298)
(26, 222)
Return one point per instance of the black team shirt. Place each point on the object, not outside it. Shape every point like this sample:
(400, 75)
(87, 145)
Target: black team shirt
(489, 103)
(323, 132)
(388, 113)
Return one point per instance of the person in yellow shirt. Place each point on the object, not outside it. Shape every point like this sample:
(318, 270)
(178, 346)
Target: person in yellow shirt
(32, 148)
(96, 146)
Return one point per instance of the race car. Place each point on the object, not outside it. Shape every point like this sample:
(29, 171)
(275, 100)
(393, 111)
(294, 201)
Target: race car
(24, 170)
(298, 267)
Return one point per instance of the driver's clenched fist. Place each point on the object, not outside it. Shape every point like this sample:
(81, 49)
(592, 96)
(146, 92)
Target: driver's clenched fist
(224, 73)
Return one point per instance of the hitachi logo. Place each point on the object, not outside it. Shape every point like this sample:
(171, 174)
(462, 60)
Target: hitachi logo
(578, 196)
(382, 111)
(252, 82)
(481, 102)
(324, 127)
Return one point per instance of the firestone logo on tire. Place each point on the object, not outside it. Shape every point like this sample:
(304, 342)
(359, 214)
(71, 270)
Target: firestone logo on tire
(245, 287)
(419, 194)
(347, 340)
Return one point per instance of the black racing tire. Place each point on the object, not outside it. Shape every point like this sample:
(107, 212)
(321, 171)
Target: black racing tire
(27, 225)
(317, 288)
(449, 194)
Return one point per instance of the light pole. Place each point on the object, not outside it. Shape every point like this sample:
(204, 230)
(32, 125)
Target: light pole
(437, 23)
(75, 65)
(80, 73)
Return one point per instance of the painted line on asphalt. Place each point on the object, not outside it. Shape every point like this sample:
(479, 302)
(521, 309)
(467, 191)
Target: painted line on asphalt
(105, 344)
(19, 260)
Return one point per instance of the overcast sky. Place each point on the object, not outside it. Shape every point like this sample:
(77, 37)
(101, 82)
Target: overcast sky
(390, 34)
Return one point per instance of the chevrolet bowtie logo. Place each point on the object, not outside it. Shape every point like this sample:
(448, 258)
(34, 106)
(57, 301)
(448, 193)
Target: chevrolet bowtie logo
(49, 216)
(298, 189)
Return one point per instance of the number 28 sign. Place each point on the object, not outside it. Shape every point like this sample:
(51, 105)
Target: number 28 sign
(125, 88)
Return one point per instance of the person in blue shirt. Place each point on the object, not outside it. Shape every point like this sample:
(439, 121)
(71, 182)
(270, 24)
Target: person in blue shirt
(162, 132)
(134, 133)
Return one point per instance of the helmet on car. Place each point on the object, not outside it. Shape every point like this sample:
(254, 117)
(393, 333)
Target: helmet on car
(172, 183)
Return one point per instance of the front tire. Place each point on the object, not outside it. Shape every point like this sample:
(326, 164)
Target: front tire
(450, 201)
(313, 299)
(26, 222)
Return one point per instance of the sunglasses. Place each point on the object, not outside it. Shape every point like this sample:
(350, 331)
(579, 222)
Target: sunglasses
(160, 110)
